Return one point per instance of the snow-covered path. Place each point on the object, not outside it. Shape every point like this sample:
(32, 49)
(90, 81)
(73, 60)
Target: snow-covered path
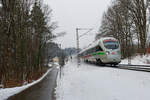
(90, 82)
(8, 92)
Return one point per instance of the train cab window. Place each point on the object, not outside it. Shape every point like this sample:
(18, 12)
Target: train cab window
(111, 44)
(98, 48)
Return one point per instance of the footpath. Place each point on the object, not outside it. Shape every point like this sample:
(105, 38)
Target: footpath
(43, 90)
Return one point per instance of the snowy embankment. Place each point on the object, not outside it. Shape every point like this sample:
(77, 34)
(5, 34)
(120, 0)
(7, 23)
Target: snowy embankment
(6, 93)
(91, 82)
(138, 60)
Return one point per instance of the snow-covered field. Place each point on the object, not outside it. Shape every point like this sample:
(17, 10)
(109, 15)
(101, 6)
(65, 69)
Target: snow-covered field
(6, 93)
(91, 82)
(138, 60)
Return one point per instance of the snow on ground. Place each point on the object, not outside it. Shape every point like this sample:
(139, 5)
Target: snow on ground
(138, 60)
(6, 93)
(91, 82)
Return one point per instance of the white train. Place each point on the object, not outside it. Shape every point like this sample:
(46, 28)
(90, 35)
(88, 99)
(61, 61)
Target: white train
(104, 51)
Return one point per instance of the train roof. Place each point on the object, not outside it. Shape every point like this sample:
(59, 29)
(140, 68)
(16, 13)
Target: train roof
(95, 43)
(107, 38)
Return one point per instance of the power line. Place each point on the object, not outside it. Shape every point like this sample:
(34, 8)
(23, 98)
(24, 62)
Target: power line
(85, 33)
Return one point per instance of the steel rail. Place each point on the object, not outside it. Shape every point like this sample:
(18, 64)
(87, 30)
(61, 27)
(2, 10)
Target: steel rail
(144, 68)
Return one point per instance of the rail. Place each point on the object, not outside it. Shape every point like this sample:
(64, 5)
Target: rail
(144, 68)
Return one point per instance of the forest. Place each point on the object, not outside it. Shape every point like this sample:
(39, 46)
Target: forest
(128, 21)
(25, 28)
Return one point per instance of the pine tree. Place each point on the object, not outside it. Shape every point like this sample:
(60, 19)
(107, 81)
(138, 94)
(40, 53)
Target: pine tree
(41, 28)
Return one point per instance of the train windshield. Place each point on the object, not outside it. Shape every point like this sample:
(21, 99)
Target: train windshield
(111, 44)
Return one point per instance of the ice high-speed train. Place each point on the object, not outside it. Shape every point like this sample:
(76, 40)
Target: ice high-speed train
(104, 51)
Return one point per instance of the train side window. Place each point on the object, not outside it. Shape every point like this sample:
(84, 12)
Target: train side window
(86, 53)
(98, 48)
(93, 50)
(90, 50)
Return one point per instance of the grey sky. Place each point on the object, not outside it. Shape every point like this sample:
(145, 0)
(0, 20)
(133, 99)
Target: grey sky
(71, 14)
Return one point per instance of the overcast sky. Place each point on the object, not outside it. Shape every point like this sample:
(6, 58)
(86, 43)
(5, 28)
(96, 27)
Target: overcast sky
(71, 14)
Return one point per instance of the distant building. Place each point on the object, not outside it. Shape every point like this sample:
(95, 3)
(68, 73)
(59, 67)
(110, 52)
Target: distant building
(56, 59)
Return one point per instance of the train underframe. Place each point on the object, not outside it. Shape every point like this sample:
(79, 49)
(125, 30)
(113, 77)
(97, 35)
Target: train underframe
(99, 62)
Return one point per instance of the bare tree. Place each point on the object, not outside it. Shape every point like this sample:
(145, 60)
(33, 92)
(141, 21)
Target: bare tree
(22, 40)
(137, 9)
(127, 20)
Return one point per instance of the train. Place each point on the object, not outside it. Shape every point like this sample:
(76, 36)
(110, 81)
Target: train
(104, 51)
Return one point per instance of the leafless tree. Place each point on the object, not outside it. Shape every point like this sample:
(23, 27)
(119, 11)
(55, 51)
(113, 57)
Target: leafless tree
(127, 20)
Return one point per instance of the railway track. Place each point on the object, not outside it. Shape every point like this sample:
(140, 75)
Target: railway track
(144, 68)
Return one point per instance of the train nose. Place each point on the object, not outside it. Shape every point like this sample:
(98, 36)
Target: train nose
(114, 57)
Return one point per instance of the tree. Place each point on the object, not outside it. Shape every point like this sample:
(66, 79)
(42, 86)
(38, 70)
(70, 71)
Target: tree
(43, 31)
(23, 37)
(126, 20)
(137, 9)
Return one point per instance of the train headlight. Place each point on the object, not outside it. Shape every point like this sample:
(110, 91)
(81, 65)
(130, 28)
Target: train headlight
(107, 52)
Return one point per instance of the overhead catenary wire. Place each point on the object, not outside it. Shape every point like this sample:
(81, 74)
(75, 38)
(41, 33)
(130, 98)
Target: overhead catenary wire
(85, 33)
(89, 30)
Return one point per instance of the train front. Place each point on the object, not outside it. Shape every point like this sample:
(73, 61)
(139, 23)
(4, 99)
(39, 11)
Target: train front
(112, 50)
